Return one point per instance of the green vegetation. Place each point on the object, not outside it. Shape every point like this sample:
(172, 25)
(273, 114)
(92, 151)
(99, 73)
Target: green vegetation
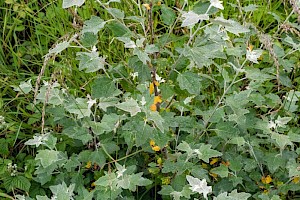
(130, 99)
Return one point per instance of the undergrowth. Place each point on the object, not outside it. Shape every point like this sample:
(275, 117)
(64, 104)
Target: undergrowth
(149, 99)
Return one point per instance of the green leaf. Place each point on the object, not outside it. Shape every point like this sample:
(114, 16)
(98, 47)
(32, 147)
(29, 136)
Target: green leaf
(281, 140)
(213, 115)
(131, 106)
(59, 47)
(150, 49)
(141, 55)
(166, 90)
(227, 130)
(79, 107)
(169, 191)
(109, 180)
(88, 39)
(79, 133)
(54, 95)
(278, 50)
(294, 137)
(236, 163)
(69, 3)
(203, 55)
(231, 25)
(116, 12)
(110, 146)
(98, 157)
(47, 157)
(168, 16)
(108, 193)
(108, 123)
(119, 29)
(43, 178)
(132, 181)
(104, 87)
(62, 192)
(4, 147)
(37, 140)
(142, 69)
(237, 140)
(39, 197)
(176, 167)
(90, 62)
(282, 121)
(222, 171)
(12, 182)
(236, 51)
(199, 186)
(288, 65)
(184, 146)
(190, 82)
(236, 180)
(191, 18)
(250, 8)
(93, 25)
(138, 130)
(205, 152)
(256, 74)
(72, 163)
(274, 161)
(84, 194)
(24, 87)
(157, 119)
(104, 103)
(166, 190)
(128, 43)
(234, 195)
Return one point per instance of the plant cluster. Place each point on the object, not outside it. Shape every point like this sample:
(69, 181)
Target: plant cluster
(161, 100)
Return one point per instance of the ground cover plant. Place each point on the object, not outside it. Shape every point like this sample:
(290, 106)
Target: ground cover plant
(149, 99)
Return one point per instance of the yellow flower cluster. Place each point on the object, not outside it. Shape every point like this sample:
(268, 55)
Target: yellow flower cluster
(266, 179)
(88, 165)
(157, 99)
(296, 179)
(154, 147)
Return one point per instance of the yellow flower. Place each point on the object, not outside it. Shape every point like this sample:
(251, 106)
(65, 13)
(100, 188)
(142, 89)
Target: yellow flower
(227, 163)
(165, 180)
(266, 180)
(152, 143)
(250, 47)
(147, 6)
(213, 161)
(151, 88)
(88, 165)
(296, 179)
(153, 107)
(157, 99)
(156, 148)
(93, 184)
(159, 3)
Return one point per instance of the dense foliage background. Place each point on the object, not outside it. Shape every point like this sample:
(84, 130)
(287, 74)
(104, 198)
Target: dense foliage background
(132, 99)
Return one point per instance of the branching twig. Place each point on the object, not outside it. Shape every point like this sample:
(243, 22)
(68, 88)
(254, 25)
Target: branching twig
(206, 123)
